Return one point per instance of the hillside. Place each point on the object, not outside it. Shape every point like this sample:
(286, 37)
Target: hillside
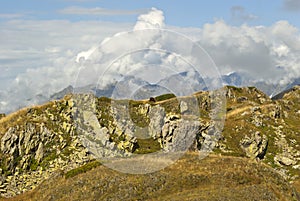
(214, 178)
(258, 150)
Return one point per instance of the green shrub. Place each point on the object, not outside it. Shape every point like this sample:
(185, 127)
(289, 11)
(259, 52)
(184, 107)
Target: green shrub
(164, 97)
(33, 164)
(82, 169)
(145, 146)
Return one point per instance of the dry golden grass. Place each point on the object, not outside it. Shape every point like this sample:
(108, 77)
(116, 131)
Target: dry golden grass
(214, 178)
(19, 116)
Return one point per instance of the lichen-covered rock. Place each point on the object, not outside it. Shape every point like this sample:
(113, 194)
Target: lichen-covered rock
(284, 160)
(255, 146)
(257, 120)
(9, 142)
(183, 107)
(39, 154)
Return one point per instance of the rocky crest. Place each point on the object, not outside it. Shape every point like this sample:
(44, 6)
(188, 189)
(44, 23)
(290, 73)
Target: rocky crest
(38, 142)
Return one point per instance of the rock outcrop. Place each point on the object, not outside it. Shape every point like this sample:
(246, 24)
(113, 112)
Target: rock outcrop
(37, 147)
(255, 146)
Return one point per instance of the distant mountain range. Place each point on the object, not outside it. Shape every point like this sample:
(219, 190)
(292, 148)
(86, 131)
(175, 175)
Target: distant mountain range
(181, 84)
(271, 89)
(136, 88)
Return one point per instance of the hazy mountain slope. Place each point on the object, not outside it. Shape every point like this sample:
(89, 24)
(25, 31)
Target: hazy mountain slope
(281, 94)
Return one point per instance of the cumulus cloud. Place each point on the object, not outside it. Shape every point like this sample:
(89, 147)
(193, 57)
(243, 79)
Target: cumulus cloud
(153, 19)
(257, 50)
(38, 57)
(46, 56)
(134, 52)
(74, 10)
(291, 5)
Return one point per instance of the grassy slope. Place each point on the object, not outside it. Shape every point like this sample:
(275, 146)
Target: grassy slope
(214, 178)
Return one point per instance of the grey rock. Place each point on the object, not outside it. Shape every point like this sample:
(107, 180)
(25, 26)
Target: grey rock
(9, 141)
(183, 107)
(39, 154)
(157, 115)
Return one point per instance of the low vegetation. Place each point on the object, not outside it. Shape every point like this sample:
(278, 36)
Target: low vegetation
(89, 166)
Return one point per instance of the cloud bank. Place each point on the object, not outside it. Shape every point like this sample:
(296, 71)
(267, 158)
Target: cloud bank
(258, 50)
(39, 58)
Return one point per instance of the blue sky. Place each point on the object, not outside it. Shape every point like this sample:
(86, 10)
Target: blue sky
(178, 13)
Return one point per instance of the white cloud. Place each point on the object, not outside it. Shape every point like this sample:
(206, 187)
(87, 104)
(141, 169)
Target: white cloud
(38, 57)
(257, 50)
(281, 50)
(153, 19)
(85, 54)
(74, 10)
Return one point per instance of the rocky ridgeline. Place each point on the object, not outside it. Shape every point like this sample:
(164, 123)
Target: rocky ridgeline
(39, 142)
(265, 129)
(139, 127)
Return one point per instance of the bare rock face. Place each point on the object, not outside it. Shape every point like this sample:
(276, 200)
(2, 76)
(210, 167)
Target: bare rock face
(178, 134)
(21, 143)
(157, 115)
(255, 146)
(39, 152)
(9, 142)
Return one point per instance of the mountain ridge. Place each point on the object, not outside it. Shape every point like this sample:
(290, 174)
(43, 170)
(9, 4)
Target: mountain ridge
(256, 127)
